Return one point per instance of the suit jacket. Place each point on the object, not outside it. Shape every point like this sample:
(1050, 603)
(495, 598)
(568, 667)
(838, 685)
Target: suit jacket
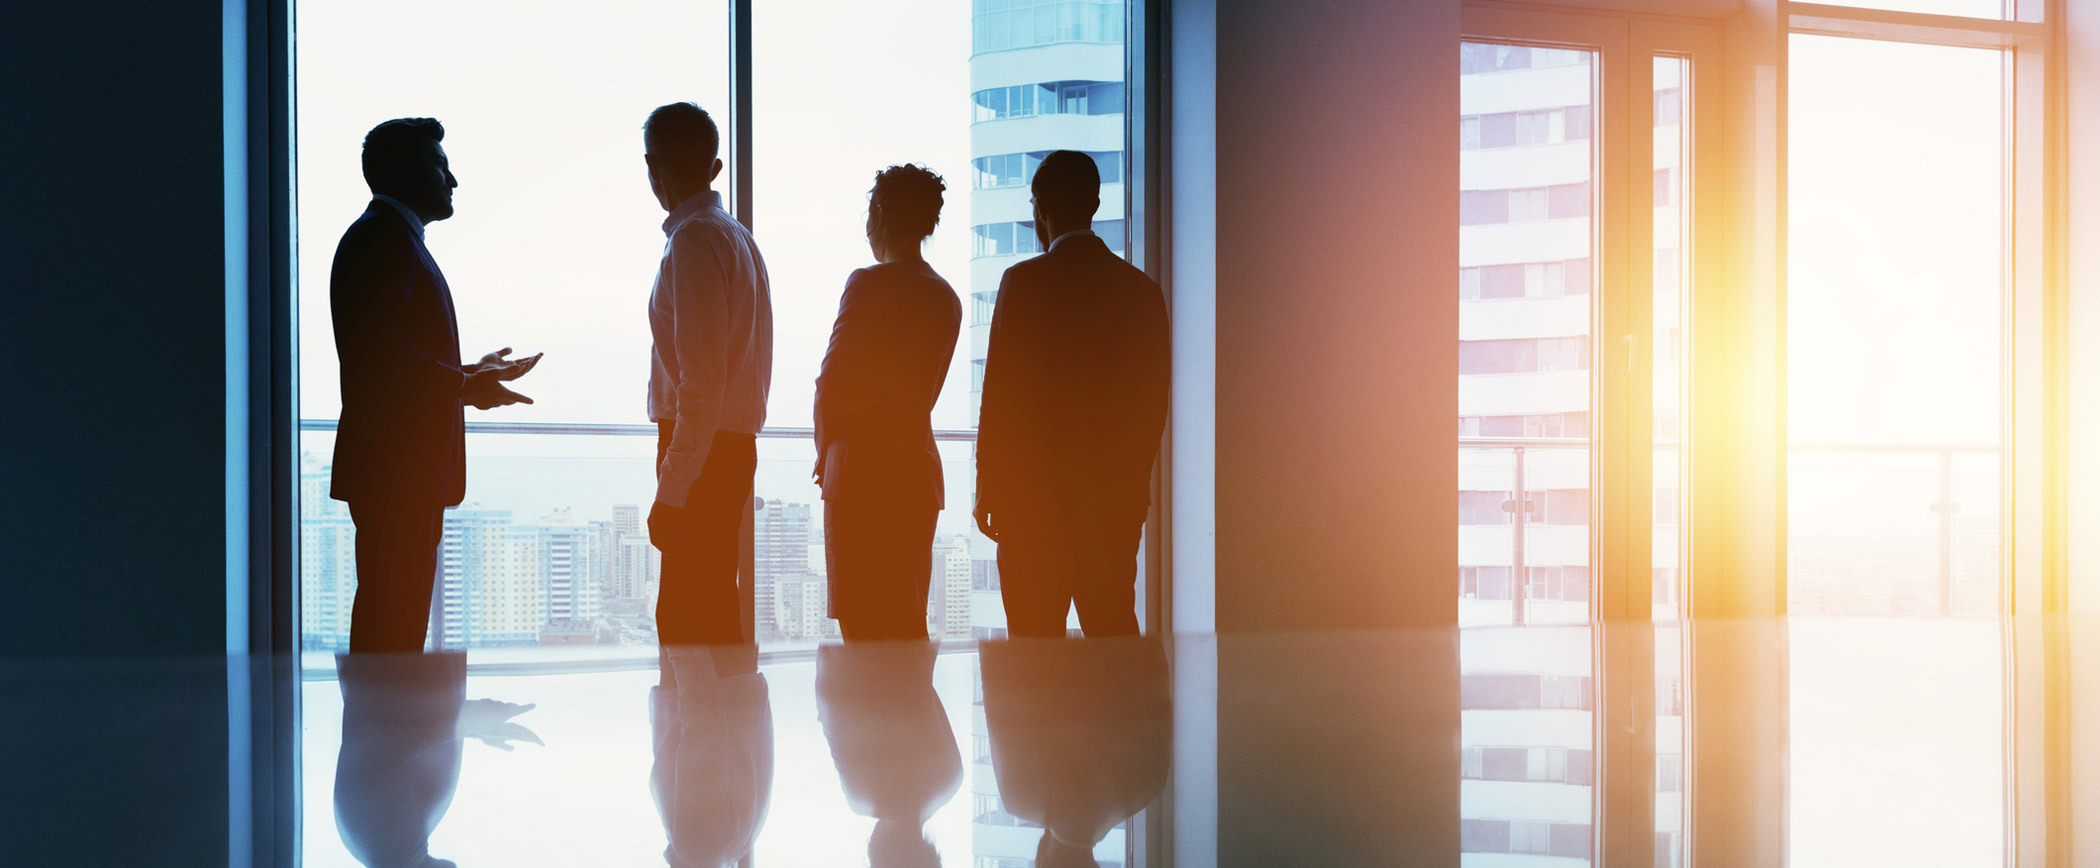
(889, 355)
(402, 437)
(1075, 386)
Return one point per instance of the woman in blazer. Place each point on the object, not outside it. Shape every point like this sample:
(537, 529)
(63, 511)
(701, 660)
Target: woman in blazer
(876, 461)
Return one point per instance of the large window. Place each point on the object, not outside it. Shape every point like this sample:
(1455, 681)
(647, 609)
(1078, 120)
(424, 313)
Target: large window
(1895, 408)
(810, 204)
(552, 249)
(556, 242)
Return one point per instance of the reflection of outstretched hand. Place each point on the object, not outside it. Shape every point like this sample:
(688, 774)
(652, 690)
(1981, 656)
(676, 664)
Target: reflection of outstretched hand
(490, 721)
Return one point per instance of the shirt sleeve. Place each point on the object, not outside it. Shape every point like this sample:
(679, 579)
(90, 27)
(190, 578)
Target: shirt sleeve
(700, 330)
(992, 422)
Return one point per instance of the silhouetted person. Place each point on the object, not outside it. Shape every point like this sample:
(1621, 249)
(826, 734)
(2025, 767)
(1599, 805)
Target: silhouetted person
(711, 315)
(876, 458)
(400, 449)
(1075, 401)
(712, 775)
(891, 741)
(405, 717)
(1080, 736)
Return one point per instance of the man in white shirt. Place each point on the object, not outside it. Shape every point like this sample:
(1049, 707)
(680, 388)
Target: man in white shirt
(711, 315)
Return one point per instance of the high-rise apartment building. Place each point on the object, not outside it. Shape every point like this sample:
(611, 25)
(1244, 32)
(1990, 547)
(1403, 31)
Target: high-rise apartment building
(1524, 420)
(949, 589)
(327, 561)
(782, 533)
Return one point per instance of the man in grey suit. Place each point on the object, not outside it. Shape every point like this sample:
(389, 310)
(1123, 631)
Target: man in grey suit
(1075, 402)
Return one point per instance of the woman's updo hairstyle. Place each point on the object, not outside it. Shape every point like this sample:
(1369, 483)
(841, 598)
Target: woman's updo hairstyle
(910, 198)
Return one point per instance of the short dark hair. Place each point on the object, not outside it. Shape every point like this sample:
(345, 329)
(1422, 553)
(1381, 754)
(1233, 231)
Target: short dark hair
(396, 149)
(1066, 182)
(682, 132)
(910, 198)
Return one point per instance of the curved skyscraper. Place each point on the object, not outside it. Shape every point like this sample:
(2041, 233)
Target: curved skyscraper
(1044, 76)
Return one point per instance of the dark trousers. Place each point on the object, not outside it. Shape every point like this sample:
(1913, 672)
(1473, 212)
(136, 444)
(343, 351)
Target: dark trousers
(878, 560)
(397, 555)
(1047, 566)
(698, 603)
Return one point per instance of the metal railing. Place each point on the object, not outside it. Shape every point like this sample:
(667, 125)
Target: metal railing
(1521, 507)
(617, 429)
(1945, 508)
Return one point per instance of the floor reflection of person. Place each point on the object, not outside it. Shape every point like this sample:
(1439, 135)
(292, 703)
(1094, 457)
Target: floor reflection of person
(876, 458)
(1080, 732)
(712, 774)
(891, 740)
(405, 718)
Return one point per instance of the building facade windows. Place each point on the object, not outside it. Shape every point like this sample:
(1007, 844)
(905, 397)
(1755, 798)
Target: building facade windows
(1524, 128)
(1018, 170)
(1526, 425)
(997, 25)
(1477, 57)
(1524, 355)
(1527, 837)
(1523, 205)
(1047, 98)
(1018, 238)
(1552, 279)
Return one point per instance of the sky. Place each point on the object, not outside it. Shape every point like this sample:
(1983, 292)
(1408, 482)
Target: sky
(1894, 280)
(556, 238)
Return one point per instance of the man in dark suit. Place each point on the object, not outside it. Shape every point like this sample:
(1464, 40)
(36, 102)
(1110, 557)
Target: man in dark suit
(400, 448)
(1075, 401)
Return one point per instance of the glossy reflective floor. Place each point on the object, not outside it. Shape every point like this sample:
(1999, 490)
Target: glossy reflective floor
(1816, 742)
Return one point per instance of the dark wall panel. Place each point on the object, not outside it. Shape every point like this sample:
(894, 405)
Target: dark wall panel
(111, 329)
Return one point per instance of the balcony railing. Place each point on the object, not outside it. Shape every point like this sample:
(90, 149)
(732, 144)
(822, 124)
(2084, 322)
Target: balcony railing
(516, 661)
(614, 429)
(1520, 505)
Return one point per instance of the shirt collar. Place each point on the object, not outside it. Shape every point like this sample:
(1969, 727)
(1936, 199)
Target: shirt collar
(690, 208)
(415, 224)
(1084, 233)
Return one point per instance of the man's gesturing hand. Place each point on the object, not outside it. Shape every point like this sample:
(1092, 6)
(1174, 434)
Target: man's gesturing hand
(485, 391)
(506, 369)
(485, 379)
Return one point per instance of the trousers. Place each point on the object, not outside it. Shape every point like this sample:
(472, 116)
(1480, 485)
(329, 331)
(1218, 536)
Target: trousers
(698, 602)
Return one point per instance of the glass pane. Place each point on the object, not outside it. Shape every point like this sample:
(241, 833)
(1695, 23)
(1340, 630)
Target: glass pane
(811, 191)
(1671, 279)
(1894, 415)
(1524, 461)
(552, 249)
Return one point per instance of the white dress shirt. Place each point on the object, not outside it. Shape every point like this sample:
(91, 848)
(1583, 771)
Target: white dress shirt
(1084, 233)
(711, 315)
